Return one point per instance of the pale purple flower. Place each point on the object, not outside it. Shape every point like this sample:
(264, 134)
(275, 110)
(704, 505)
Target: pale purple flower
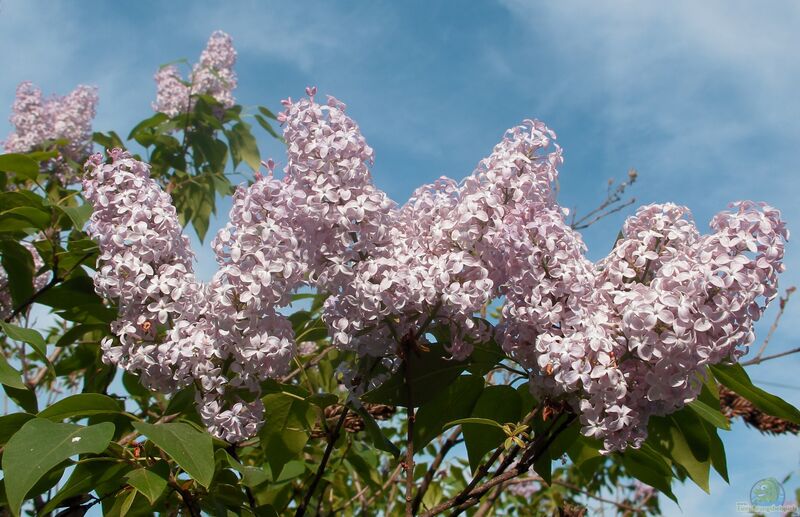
(213, 75)
(39, 121)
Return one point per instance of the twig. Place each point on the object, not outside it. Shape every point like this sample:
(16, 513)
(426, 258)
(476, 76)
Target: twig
(409, 463)
(487, 504)
(574, 488)
(301, 510)
(484, 468)
(312, 362)
(782, 304)
(759, 360)
(529, 458)
(390, 481)
(612, 197)
(449, 443)
(480, 474)
(52, 283)
(41, 372)
(605, 214)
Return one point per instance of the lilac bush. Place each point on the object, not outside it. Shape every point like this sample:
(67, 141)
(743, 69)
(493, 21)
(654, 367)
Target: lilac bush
(618, 340)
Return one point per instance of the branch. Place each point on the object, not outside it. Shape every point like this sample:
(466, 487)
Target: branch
(605, 214)
(480, 474)
(301, 510)
(52, 283)
(312, 362)
(612, 197)
(759, 359)
(390, 481)
(41, 372)
(530, 457)
(484, 468)
(409, 463)
(574, 488)
(486, 505)
(782, 304)
(451, 442)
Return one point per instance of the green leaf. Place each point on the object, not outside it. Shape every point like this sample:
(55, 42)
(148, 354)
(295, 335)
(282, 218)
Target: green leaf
(191, 449)
(323, 400)
(26, 399)
(181, 401)
(39, 446)
(453, 402)
(716, 451)
(78, 214)
(682, 437)
(10, 424)
(691, 427)
(284, 435)
(19, 164)
(108, 140)
(710, 414)
(267, 126)
(243, 145)
(35, 217)
(735, 378)
(375, 434)
(18, 263)
(267, 113)
(649, 467)
(485, 357)
(150, 484)
(81, 405)
(430, 372)
(139, 130)
(707, 405)
(9, 376)
(78, 331)
(473, 420)
(84, 479)
(77, 291)
(496, 404)
(544, 466)
(123, 503)
(33, 338)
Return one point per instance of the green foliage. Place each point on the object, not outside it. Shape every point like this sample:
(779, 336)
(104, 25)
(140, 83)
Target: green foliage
(39, 446)
(191, 449)
(737, 380)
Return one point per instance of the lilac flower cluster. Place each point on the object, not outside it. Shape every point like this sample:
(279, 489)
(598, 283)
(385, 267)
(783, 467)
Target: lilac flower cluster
(442, 262)
(213, 75)
(662, 306)
(38, 121)
(620, 340)
(172, 330)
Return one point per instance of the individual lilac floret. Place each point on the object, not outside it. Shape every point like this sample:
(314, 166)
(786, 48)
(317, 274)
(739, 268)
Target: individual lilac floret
(213, 75)
(39, 121)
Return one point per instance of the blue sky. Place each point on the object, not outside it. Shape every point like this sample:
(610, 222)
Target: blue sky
(700, 97)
